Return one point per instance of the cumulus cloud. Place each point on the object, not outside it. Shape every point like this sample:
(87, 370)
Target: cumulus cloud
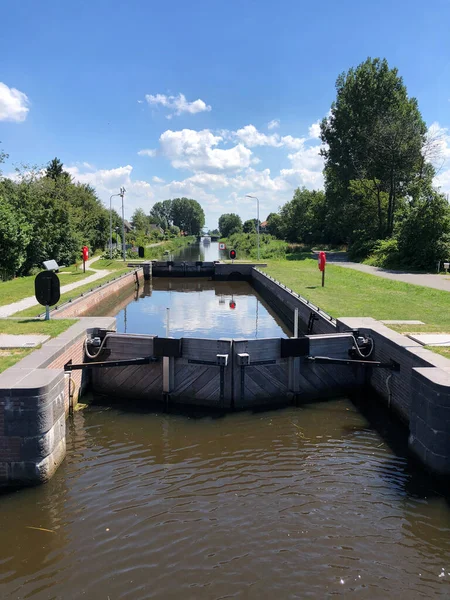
(14, 105)
(273, 124)
(197, 151)
(157, 179)
(147, 152)
(251, 137)
(139, 194)
(177, 105)
(314, 131)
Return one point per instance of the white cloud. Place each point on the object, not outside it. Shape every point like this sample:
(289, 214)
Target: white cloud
(251, 137)
(314, 131)
(13, 104)
(139, 194)
(177, 104)
(306, 170)
(273, 124)
(147, 152)
(156, 179)
(196, 151)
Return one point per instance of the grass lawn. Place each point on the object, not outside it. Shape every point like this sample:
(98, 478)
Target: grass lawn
(110, 265)
(444, 350)
(23, 287)
(349, 293)
(34, 311)
(9, 357)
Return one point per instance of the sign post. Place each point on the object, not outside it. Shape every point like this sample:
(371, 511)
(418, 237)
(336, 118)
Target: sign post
(322, 262)
(47, 290)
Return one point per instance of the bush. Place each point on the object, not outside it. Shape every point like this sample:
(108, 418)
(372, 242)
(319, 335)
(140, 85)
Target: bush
(361, 249)
(385, 254)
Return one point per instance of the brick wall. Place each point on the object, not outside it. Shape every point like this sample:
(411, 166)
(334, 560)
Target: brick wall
(82, 306)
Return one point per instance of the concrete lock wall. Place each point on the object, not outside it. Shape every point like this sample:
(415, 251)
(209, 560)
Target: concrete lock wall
(419, 393)
(34, 404)
(284, 301)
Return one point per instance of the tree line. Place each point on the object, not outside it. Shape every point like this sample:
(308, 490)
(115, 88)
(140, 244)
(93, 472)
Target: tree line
(45, 215)
(379, 199)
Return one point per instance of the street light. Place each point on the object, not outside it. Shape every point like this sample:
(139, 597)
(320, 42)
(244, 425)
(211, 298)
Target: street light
(122, 193)
(110, 223)
(257, 217)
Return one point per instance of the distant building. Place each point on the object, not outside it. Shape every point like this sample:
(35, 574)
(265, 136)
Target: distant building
(128, 226)
(263, 226)
(154, 227)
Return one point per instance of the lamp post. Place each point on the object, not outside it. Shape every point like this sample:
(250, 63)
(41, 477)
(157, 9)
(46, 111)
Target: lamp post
(257, 217)
(110, 224)
(122, 193)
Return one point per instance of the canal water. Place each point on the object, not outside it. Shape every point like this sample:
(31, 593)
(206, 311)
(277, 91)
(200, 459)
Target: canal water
(311, 502)
(197, 307)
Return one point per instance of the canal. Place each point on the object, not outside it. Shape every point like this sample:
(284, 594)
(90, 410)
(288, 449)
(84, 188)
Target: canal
(303, 502)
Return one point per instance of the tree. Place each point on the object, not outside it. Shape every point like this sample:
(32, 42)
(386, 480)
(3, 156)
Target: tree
(375, 133)
(161, 212)
(423, 231)
(274, 225)
(55, 169)
(303, 218)
(139, 220)
(229, 223)
(14, 238)
(188, 215)
(250, 226)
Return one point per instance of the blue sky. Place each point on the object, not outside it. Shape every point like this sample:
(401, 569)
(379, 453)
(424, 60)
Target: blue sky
(208, 99)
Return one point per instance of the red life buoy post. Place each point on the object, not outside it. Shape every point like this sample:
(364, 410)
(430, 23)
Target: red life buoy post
(322, 262)
(85, 251)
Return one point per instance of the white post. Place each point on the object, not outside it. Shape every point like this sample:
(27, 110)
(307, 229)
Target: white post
(296, 322)
(167, 322)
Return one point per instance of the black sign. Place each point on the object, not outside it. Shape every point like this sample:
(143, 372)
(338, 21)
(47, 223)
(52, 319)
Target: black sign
(46, 288)
(141, 252)
(232, 254)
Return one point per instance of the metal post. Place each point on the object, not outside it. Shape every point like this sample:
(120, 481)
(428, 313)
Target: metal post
(47, 312)
(257, 218)
(257, 224)
(110, 224)
(122, 192)
(167, 322)
(296, 322)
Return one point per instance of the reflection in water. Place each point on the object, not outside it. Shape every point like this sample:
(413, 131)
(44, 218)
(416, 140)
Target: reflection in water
(198, 308)
(293, 503)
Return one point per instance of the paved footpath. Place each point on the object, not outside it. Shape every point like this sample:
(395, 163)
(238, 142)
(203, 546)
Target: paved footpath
(9, 309)
(438, 282)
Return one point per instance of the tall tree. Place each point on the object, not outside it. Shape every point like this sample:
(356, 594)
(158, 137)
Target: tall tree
(161, 212)
(375, 133)
(188, 215)
(229, 223)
